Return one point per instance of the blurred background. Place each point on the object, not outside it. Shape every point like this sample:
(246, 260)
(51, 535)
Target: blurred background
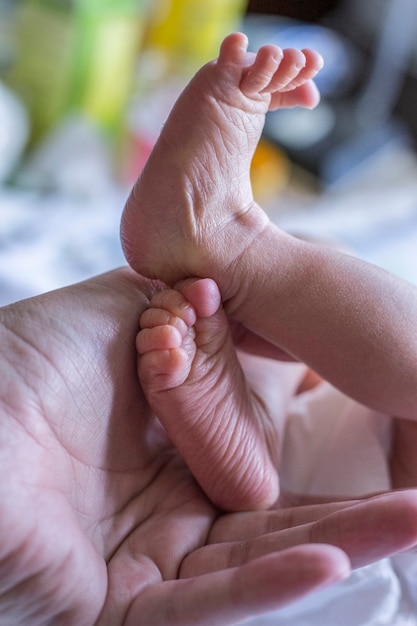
(85, 86)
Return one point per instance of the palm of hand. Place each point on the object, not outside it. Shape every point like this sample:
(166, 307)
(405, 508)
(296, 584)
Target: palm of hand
(96, 477)
(99, 517)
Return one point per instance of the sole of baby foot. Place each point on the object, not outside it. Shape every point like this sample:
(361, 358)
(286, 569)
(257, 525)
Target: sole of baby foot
(191, 211)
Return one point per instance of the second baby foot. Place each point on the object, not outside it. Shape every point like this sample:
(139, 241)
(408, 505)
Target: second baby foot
(193, 381)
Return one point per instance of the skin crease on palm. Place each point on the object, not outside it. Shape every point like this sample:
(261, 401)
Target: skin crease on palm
(102, 523)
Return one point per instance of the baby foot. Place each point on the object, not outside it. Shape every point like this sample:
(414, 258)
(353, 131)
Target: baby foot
(191, 376)
(191, 212)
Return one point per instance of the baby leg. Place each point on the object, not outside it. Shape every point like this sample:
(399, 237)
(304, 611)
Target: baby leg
(192, 213)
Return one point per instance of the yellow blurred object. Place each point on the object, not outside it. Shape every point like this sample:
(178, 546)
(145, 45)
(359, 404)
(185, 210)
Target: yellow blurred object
(270, 172)
(180, 37)
(77, 57)
(191, 30)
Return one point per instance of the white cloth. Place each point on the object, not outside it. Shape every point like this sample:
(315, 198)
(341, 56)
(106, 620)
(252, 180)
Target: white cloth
(336, 447)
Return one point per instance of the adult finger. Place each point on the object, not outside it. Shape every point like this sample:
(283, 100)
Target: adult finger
(243, 526)
(367, 531)
(233, 594)
(249, 525)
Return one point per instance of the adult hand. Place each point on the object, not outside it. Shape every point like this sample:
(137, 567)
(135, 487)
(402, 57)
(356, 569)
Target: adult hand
(101, 521)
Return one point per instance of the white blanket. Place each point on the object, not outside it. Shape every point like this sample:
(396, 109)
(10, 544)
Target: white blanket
(336, 447)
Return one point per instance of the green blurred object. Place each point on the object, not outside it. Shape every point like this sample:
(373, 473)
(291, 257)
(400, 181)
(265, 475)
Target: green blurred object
(6, 34)
(76, 57)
